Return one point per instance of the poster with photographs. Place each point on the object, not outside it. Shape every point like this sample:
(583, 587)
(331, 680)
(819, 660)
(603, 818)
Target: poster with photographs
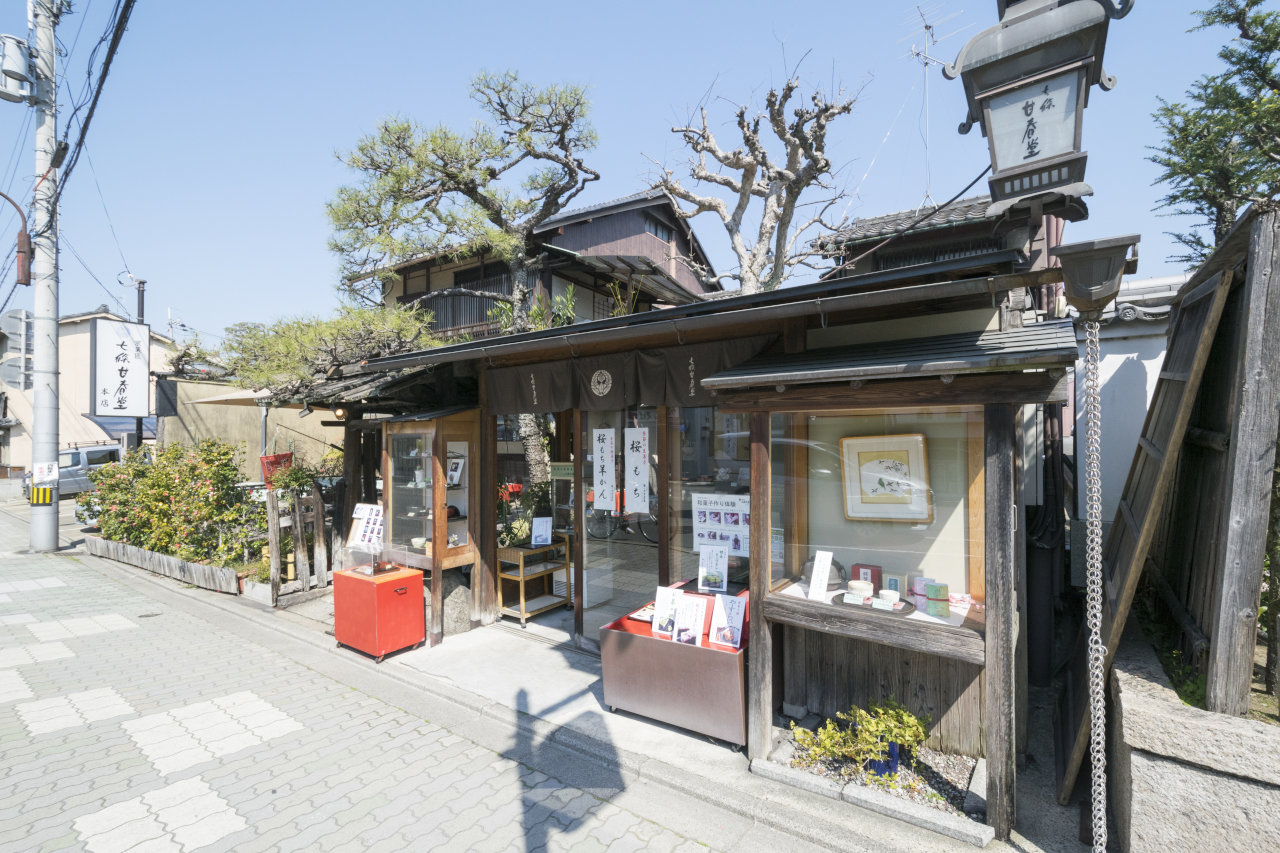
(635, 442)
(665, 604)
(726, 620)
(713, 568)
(366, 527)
(722, 520)
(691, 615)
(606, 478)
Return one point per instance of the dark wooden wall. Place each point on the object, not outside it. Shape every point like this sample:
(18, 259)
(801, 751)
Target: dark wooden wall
(835, 672)
(624, 234)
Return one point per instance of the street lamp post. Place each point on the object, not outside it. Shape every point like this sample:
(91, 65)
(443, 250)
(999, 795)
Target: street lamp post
(1027, 82)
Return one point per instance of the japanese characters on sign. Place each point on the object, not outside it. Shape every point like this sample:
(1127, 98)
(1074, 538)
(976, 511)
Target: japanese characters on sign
(121, 369)
(603, 469)
(636, 456)
(1035, 122)
(723, 520)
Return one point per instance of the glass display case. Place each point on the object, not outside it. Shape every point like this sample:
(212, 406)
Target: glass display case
(412, 477)
(432, 476)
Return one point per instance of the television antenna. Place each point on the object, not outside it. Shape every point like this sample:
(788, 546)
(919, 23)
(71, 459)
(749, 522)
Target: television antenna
(929, 40)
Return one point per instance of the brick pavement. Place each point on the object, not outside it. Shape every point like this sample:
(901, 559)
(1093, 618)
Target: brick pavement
(129, 724)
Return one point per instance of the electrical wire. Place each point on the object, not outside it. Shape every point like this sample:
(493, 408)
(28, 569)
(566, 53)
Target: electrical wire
(125, 8)
(111, 226)
(62, 241)
(904, 229)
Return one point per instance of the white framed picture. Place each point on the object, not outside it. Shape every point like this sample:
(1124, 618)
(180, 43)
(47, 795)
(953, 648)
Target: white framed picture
(454, 476)
(886, 478)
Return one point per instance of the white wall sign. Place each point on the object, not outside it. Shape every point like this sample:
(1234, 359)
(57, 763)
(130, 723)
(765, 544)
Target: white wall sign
(1035, 122)
(636, 454)
(120, 368)
(602, 461)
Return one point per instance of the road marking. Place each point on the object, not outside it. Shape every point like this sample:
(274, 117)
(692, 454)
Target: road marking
(187, 736)
(33, 653)
(31, 585)
(62, 629)
(181, 816)
(73, 710)
(13, 686)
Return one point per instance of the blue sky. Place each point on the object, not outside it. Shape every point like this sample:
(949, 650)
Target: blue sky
(213, 149)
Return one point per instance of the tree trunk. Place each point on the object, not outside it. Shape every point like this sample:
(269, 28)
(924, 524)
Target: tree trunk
(535, 452)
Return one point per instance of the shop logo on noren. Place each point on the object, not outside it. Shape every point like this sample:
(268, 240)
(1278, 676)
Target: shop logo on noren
(601, 382)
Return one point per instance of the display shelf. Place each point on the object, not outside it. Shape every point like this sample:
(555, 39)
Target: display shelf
(519, 566)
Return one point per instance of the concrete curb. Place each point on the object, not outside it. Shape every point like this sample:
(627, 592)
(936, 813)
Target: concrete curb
(961, 829)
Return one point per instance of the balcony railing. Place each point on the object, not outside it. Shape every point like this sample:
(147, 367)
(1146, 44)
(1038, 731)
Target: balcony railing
(462, 313)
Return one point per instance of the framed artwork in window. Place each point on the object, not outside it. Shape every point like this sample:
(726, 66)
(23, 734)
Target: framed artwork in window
(886, 478)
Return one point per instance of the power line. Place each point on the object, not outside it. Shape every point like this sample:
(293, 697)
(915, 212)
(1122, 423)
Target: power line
(65, 242)
(110, 225)
(117, 33)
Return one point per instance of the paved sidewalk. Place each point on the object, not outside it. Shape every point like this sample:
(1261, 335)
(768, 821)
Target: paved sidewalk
(133, 709)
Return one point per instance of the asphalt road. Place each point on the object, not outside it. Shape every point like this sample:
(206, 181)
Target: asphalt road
(135, 717)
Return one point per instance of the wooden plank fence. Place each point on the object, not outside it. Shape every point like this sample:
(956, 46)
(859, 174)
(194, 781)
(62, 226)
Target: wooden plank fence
(216, 578)
(312, 566)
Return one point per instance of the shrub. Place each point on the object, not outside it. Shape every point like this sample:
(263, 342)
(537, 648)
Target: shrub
(183, 502)
(861, 736)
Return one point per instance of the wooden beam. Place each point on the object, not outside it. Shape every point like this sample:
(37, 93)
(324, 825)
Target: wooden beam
(977, 497)
(351, 456)
(580, 444)
(760, 658)
(999, 678)
(1247, 491)
(664, 495)
(484, 576)
(439, 535)
(972, 389)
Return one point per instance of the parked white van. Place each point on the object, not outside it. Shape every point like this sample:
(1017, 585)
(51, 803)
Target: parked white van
(74, 465)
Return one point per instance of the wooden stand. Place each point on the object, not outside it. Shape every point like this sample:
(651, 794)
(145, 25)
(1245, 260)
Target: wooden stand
(518, 566)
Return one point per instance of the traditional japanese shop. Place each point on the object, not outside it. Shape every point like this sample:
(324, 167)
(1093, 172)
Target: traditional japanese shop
(839, 461)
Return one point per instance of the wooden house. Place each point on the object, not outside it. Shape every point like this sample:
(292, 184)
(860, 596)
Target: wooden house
(633, 248)
(874, 420)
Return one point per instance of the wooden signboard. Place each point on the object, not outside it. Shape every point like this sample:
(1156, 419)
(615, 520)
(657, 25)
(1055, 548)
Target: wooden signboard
(1154, 463)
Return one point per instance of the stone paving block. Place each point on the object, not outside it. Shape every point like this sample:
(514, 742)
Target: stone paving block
(209, 829)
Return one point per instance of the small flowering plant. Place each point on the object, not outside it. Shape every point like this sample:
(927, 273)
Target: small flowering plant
(182, 501)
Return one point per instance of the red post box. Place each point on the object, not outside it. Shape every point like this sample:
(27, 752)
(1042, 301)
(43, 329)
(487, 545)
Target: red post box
(378, 613)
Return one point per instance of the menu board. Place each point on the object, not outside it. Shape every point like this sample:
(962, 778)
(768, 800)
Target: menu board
(366, 526)
(723, 520)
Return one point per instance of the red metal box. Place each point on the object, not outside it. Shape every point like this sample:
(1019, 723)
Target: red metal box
(378, 613)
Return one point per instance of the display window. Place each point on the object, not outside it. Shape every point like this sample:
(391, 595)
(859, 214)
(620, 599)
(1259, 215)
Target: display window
(430, 466)
(411, 508)
(710, 491)
(880, 510)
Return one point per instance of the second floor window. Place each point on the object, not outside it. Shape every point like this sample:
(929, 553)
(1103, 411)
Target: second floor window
(661, 230)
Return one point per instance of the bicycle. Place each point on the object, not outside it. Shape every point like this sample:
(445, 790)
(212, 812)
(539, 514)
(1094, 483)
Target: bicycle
(604, 523)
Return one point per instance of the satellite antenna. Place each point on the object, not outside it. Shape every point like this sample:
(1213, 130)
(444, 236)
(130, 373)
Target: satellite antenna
(921, 54)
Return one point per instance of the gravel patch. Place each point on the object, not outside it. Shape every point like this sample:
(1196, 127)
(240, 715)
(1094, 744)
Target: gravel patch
(932, 778)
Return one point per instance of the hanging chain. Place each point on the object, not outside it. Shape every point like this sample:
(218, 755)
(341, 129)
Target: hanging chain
(1093, 605)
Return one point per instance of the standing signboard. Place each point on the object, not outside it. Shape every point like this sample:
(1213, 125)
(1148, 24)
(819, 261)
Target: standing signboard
(120, 368)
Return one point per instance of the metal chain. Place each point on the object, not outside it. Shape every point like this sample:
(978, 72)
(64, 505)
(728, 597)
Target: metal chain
(1093, 586)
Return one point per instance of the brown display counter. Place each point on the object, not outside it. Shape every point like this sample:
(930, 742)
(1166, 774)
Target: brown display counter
(699, 688)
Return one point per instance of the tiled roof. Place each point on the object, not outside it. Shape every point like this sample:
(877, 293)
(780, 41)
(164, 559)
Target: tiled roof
(960, 211)
(579, 212)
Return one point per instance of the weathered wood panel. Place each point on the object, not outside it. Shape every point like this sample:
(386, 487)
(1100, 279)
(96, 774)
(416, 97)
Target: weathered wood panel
(962, 644)
(216, 578)
(839, 672)
(999, 705)
(1142, 502)
(1247, 486)
(760, 673)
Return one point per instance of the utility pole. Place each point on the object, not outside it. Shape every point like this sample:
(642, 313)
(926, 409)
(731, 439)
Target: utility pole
(44, 268)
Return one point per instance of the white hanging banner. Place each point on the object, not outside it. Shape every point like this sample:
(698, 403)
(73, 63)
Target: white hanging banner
(120, 369)
(606, 478)
(636, 455)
